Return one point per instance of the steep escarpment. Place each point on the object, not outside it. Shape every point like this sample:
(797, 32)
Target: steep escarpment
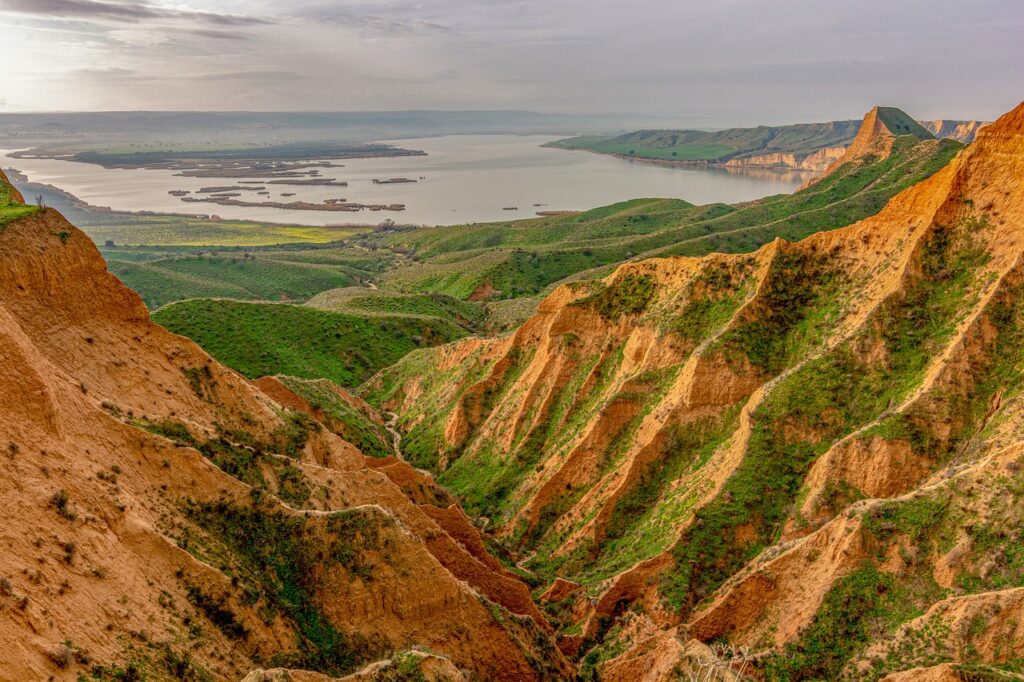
(167, 519)
(797, 451)
(817, 160)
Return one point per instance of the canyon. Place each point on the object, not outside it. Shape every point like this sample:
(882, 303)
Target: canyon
(799, 462)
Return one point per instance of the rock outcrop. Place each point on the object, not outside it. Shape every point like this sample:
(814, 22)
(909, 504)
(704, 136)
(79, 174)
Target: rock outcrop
(877, 135)
(815, 161)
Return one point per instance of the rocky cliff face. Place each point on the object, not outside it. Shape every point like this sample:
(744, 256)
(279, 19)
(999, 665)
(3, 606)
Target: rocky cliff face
(797, 451)
(166, 519)
(816, 161)
(961, 131)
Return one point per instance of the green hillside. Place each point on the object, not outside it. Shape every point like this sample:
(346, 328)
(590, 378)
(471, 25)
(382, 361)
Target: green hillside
(377, 302)
(266, 339)
(242, 276)
(353, 424)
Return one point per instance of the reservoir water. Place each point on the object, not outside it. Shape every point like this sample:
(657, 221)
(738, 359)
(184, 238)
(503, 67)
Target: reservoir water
(465, 179)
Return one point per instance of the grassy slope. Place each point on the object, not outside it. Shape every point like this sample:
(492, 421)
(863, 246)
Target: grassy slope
(9, 209)
(375, 302)
(899, 123)
(260, 339)
(356, 426)
(521, 258)
(259, 278)
(185, 231)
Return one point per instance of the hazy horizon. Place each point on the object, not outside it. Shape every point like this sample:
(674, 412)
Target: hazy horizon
(703, 63)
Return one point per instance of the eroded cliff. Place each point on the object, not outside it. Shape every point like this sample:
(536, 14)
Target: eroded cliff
(167, 519)
(797, 451)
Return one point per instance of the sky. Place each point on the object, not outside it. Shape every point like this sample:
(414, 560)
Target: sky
(705, 62)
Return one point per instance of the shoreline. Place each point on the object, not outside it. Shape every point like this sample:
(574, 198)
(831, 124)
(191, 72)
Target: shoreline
(16, 175)
(695, 163)
(459, 198)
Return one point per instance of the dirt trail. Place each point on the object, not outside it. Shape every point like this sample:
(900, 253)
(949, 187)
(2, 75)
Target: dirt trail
(396, 436)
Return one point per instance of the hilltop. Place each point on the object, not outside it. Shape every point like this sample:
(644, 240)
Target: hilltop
(811, 452)
(877, 136)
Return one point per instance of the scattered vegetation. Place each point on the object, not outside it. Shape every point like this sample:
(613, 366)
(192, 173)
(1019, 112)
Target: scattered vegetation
(351, 423)
(627, 295)
(853, 611)
(61, 501)
(282, 559)
(822, 400)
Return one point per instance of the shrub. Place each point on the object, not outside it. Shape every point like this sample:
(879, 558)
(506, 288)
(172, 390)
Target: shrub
(61, 501)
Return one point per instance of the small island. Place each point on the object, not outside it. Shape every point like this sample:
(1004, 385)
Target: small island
(328, 205)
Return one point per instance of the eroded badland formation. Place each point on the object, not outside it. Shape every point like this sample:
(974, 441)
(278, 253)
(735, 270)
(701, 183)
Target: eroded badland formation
(812, 452)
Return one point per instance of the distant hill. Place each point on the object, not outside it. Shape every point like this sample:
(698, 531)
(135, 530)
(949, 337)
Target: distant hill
(721, 146)
(802, 146)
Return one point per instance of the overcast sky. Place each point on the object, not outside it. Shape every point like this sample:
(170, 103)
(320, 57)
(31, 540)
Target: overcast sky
(708, 62)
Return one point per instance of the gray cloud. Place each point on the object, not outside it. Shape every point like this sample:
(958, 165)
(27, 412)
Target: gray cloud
(215, 34)
(264, 76)
(120, 11)
(704, 62)
(109, 72)
(392, 25)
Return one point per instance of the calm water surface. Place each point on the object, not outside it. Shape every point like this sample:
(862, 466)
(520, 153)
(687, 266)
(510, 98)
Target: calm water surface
(466, 178)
